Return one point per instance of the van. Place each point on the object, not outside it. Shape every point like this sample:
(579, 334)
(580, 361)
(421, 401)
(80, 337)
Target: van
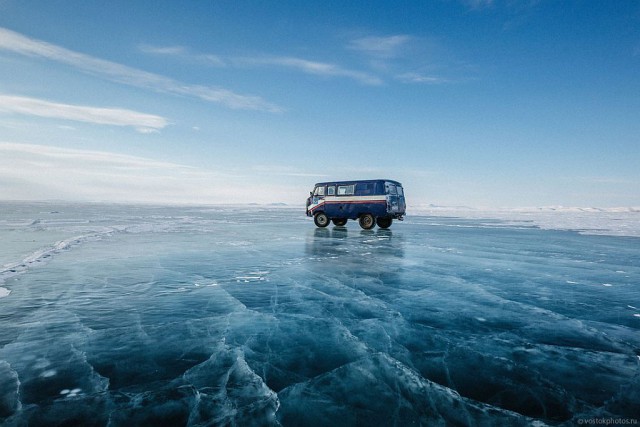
(371, 202)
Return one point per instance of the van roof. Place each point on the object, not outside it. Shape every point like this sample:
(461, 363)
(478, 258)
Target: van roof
(357, 181)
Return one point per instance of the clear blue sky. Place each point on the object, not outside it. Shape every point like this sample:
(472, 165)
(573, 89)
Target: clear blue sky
(479, 103)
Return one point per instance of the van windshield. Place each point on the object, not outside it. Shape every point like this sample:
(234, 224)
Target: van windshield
(400, 192)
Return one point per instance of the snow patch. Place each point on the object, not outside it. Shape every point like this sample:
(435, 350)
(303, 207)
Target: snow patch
(621, 221)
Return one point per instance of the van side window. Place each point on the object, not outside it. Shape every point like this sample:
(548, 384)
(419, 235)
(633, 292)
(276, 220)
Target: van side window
(319, 191)
(345, 190)
(331, 191)
(365, 189)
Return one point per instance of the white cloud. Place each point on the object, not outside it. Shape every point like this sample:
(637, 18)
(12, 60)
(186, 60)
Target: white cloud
(20, 44)
(421, 78)
(144, 123)
(38, 172)
(303, 65)
(380, 47)
(310, 67)
(411, 59)
(184, 53)
(163, 50)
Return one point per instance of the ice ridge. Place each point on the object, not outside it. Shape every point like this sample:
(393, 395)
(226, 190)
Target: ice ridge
(41, 256)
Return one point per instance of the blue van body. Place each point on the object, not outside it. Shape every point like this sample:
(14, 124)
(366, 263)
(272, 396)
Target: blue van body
(376, 201)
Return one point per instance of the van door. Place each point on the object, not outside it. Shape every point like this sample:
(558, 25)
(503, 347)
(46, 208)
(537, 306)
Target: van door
(393, 205)
(316, 201)
(402, 204)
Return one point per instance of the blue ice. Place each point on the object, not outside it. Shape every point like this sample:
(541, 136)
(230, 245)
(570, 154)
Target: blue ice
(138, 315)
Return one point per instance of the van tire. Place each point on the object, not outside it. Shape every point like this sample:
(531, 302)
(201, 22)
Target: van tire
(384, 222)
(321, 219)
(367, 221)
(339, 222)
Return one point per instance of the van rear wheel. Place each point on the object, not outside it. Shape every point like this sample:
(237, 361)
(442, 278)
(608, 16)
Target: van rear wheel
(384, 222)
(367, 221)
(321, 219)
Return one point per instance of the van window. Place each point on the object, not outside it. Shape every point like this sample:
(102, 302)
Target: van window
(319, 191)
(365, 189)
(331, 191)
(345, 190)
(400, 191)
(391, 189)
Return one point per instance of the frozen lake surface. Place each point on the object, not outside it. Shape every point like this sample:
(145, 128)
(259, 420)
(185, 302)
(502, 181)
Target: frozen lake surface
(124, 315)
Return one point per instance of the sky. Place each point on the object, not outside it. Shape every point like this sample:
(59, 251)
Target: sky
(480, 103)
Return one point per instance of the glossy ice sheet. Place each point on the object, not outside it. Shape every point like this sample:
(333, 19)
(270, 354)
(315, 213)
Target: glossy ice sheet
(125, 315)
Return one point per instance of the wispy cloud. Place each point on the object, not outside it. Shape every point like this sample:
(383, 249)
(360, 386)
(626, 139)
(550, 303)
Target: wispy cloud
(408, 59)
(185, 54)
(39, 172)
(310, 67)
(306, 66)
(421, 78)
(163, 50)
(20, 44)
(106, 159)
(380, 47)
(144, 123)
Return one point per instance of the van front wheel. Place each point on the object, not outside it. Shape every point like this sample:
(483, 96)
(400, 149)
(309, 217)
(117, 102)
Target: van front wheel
(321, 219)
(367, 221)
(384, 222)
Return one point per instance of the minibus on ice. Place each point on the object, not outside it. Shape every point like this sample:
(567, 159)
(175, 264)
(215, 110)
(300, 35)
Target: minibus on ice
(371, 202)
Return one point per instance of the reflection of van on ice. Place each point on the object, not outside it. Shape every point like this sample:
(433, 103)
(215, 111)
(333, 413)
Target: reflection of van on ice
(371, 202)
